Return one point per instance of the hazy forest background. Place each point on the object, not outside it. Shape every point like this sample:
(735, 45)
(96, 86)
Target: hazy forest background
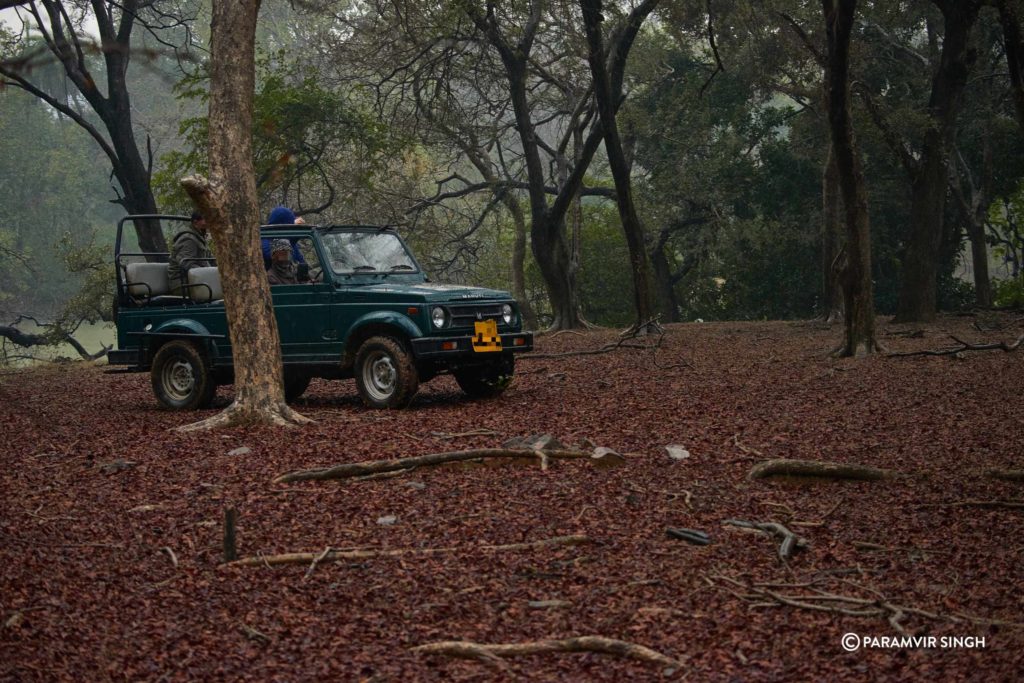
(399, 113)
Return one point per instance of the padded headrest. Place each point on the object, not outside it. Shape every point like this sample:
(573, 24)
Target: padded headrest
(147, 279)
(208, 276)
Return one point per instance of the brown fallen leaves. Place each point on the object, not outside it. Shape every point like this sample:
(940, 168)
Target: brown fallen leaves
(114, 572)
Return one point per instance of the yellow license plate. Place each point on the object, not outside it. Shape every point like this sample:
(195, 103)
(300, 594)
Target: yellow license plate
(486, 337)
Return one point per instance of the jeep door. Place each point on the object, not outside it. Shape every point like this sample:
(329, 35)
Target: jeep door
(303, 313)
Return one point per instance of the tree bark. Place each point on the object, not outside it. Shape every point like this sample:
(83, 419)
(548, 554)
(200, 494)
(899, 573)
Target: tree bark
(606, 107)
(831, 241)
(229, 203)
(918, 287)
(858, 299)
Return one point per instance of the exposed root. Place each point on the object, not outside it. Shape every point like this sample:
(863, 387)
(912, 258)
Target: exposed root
(488, 653)
(240, 415)
(363, 469)
(331, 555)
(814, 468)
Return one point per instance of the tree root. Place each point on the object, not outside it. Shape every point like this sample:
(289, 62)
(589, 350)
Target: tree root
(490, 654)
(362, 469)
(963, 346)
(242, 415)
(330, 555)
(813, 468)
(790, 541)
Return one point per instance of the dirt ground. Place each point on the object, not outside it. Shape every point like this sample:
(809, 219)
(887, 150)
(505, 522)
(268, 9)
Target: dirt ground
(111, 573)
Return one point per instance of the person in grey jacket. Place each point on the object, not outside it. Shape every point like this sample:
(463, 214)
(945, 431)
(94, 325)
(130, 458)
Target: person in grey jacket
(188, 250)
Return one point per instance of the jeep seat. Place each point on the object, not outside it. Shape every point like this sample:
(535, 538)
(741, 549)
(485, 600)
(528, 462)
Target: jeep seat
(204, 284)
(147, 283)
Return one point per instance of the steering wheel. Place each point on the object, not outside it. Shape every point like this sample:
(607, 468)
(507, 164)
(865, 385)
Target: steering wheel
(316, 274)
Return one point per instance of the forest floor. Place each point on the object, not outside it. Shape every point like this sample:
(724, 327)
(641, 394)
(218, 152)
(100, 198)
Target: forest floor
(111, 573)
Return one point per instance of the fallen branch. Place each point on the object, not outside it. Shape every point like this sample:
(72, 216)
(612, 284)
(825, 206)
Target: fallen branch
(331, 555)
(363, 469)
(1006, 475)
(818, 600)
(814, 468)
(487, 653)
(964, 346)
(790, 541)
(1012, 504)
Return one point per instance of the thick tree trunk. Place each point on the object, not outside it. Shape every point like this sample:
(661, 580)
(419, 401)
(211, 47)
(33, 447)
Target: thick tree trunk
(856, 273)
(831, 241)
(606, 107)
(519, 263)
(918, 288)
(228, 201)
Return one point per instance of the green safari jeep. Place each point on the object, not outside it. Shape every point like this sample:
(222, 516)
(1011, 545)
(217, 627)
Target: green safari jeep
(364, 309)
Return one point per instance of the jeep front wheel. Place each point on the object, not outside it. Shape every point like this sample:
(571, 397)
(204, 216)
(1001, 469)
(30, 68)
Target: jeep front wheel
(181, 377)
(385, 373)
(487, 380)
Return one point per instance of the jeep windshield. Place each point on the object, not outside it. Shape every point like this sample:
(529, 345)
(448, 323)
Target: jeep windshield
(367, 252)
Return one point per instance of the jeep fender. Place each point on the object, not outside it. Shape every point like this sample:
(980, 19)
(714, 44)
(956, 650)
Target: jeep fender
(379, 322)
(192, 328)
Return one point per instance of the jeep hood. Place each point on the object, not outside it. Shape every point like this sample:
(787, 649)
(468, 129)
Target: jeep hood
(433, 292)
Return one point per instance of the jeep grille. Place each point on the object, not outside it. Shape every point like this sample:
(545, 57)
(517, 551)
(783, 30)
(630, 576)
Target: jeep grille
(466, 315)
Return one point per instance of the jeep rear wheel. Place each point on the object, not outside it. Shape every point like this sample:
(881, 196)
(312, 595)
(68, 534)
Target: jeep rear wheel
(385, 373)
(487, 380)
(181, 377)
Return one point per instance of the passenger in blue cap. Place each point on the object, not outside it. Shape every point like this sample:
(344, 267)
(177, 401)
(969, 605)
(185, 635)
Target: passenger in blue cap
(281, 215)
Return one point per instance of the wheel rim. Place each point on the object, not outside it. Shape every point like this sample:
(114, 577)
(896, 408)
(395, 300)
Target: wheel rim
(379, 376)
(178, 379)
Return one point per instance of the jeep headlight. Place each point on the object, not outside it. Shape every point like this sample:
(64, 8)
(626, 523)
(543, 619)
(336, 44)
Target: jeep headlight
(438, 317)
(506, 314)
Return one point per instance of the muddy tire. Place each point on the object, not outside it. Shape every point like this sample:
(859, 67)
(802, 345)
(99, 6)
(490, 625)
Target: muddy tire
(181, 377)
(385, 373)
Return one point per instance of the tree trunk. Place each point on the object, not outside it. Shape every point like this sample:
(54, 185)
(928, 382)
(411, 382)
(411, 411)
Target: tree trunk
(1011, 13)
(856, 272)
(665, 292)
(519, 262)
(918, 288)
(228, 201)
(617, 161)
(831, 241)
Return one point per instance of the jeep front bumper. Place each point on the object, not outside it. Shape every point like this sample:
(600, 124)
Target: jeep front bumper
(438, 348)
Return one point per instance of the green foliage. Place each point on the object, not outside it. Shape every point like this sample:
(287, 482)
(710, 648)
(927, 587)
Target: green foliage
(302, 132)
(1009, 293)
(606, 285)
